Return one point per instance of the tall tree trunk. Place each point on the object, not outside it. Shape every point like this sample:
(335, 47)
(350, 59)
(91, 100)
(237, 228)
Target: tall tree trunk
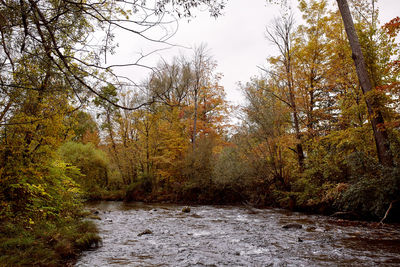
(195, 117)
(292, 101)
(380, 134)
(147, 151)
(114, 146)
(281, 36)
(200, 62)
(299, 146)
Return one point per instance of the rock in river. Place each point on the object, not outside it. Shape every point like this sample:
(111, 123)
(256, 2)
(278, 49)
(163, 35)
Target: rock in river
(292, 226)
(186, 209)
(145, 232)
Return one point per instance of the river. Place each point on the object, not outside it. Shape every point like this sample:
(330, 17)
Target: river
(234, 236)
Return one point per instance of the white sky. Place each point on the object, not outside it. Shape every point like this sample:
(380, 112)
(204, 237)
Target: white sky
(236, 40)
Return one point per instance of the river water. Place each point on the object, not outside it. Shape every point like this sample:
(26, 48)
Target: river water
(234, 236)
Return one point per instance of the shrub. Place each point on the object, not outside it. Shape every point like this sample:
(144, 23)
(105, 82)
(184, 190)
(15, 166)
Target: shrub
(372, 189)
(45, 243)
(140, 189)
(92, 163)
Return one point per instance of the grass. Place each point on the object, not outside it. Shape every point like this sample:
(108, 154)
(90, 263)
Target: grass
(46, 243)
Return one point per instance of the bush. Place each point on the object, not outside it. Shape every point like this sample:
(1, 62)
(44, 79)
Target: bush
(140, 189)
(92, 163)
(45, 243)
(372, 189)
(229, 170)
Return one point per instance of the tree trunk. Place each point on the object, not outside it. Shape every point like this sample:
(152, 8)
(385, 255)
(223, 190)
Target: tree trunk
(299, 146)
(195, 117)
(380, 134)
(292, 101)
(114, 146)
(6, 108)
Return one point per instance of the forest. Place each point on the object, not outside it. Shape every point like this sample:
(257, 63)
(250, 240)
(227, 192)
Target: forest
(313, 135)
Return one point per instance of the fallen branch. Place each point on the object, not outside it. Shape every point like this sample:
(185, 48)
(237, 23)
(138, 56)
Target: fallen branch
(387, 211)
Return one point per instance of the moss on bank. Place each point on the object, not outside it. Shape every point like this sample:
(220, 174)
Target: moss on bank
(46, 243)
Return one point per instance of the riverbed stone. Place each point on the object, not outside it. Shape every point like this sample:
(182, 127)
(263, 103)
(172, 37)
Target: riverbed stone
(292, 226)
(186, 209)
(146, 232)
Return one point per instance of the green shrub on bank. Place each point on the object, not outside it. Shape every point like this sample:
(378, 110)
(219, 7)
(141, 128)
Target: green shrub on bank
(140, 189)
(373, 187)
(92, 163)
(40, 216)
(45, 243)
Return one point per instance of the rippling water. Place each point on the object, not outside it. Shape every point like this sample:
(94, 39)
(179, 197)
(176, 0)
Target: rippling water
(233, 236)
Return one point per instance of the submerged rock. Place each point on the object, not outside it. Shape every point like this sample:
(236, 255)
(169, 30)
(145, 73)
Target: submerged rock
(292, 226)
(186, 209)
(145, 232)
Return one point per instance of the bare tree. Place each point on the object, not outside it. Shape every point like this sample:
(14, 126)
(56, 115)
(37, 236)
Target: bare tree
(280, 34)
(170, 82)
(183, 79)
(200, 65)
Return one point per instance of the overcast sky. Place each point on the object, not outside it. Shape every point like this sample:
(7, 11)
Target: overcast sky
(236, 40)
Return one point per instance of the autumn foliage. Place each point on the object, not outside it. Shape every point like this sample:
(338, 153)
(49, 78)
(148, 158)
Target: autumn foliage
(70, 130)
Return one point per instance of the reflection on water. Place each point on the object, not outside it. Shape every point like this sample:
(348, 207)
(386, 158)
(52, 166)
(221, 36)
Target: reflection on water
(233, 236)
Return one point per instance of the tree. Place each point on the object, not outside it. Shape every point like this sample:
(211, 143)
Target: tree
(84, 127)
(281, 35)
(92, 163)
(391, 31)
(61, 33)
(269, 124)
(377, 122)
(310, 66)
(51, 55)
